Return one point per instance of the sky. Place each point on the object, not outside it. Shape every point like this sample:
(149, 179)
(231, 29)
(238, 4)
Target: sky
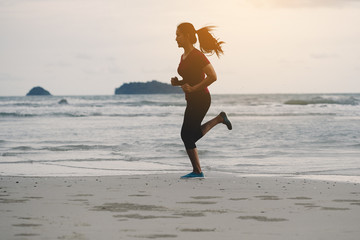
(91, 47)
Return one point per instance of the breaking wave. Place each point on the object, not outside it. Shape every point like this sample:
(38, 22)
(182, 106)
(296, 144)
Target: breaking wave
(325, 100)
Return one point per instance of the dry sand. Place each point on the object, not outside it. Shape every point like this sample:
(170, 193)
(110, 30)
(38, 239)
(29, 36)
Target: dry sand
(165, 207)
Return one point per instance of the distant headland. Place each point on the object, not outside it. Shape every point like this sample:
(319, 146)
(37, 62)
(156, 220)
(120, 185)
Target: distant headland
(38, 91)
(152, 87)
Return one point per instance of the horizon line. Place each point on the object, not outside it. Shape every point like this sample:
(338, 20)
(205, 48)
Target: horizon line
(270, 93)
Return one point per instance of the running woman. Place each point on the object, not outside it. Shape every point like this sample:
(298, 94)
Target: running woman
(197, 73)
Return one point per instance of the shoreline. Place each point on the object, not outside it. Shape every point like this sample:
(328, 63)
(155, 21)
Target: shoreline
(332, 178)
(162, 206)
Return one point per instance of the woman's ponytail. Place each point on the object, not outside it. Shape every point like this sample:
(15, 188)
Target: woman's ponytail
(208, 43)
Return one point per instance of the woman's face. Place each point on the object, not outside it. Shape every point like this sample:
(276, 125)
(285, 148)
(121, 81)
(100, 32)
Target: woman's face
(180, 38)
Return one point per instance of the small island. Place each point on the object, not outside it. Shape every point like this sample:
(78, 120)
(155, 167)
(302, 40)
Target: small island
(38, 91)
(152, 87)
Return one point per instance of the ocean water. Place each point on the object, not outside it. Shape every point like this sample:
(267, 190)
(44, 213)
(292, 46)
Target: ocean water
(299, 135)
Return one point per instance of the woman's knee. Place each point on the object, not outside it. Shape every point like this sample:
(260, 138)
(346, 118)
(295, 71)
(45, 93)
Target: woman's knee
(189, 144)
(185, 136)
(188, 140)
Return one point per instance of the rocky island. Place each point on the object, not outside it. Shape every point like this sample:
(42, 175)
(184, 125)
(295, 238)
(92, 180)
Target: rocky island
(152, 87)
(38, 91)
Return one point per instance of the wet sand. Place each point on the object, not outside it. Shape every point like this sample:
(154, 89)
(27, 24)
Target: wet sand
(165, 207)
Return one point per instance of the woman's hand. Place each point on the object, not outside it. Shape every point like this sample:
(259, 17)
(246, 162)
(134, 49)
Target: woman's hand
(175, 81)
(187, 88)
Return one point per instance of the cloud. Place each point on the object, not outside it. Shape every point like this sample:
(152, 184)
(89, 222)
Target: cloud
(323, 55)
(5, 77)
(304, 3)
(83, 56)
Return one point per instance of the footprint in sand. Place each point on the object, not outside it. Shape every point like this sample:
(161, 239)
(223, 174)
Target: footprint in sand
(197, 229)
(205, 197)
(125, 207)
(198, 202)
(300, 198)
(268, 197)
(27, 225)
(26, 235)
(262, 219)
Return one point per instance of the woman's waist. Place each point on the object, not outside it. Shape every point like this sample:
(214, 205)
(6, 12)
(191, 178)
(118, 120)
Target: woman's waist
(192, 81)
(198, 94)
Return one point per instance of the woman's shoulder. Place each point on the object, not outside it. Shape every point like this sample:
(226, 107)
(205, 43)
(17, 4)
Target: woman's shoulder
(200, 56)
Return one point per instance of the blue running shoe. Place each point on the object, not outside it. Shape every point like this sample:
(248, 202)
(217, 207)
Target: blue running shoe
(193, 175)
(226, 120)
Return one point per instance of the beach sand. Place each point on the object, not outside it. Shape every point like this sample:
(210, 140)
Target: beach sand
(164, 207)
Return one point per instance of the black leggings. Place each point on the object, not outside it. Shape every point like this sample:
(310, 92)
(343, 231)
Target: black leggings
(197, 106)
